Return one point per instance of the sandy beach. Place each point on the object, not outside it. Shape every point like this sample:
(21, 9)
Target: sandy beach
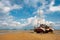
(28, 35)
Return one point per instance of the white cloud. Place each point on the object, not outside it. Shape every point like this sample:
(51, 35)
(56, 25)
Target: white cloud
(36, 21)
(4, 24)
(7, 7)
(52, 3)
(53, 8)
(57, 24)
(8, 20)
(41, 12)
(14, 24)
(33, 3)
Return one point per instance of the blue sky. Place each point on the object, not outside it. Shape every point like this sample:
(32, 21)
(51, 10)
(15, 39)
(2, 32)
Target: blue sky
(20, 14)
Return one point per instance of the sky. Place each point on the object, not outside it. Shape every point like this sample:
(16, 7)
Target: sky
(25, 14)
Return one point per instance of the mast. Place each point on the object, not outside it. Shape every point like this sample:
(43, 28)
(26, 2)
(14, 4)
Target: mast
(41, 16)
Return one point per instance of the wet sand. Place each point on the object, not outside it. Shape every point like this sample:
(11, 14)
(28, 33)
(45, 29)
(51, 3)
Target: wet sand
(28, 35)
